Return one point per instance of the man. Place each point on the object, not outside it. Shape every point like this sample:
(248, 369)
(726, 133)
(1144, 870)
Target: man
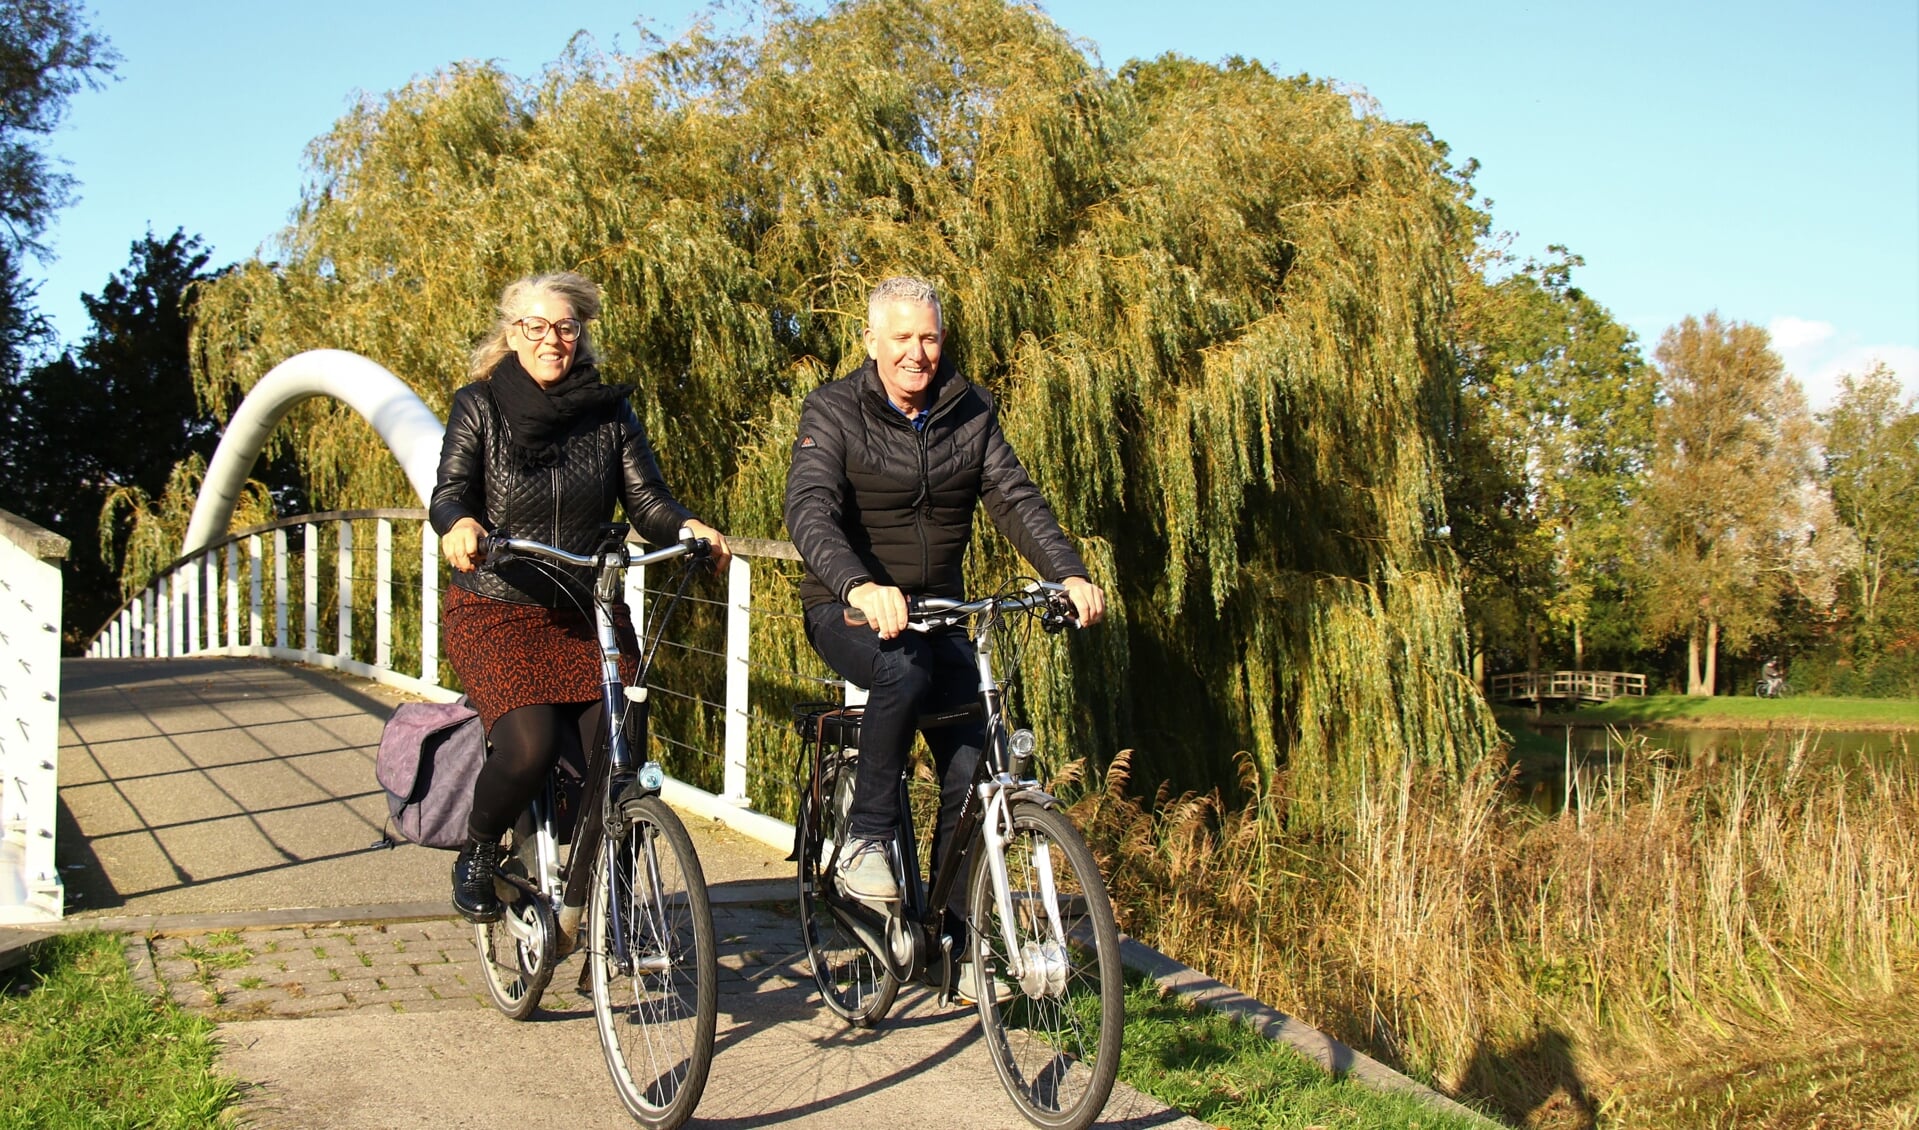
(890, 463)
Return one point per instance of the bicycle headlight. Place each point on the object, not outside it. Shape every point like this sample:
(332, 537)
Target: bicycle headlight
(652, 776)
(1021, 743)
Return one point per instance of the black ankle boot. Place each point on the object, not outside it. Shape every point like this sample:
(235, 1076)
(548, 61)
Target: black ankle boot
(473, 893)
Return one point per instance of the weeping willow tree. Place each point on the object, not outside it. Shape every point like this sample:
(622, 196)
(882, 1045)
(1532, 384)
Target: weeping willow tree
(1210, 299)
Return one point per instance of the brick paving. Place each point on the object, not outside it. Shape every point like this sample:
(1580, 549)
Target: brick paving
(291, 972)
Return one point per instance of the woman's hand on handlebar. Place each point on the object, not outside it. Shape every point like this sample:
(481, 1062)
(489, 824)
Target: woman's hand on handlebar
(461, 545)
(883, 606)
(720, 555)
(1089, 600)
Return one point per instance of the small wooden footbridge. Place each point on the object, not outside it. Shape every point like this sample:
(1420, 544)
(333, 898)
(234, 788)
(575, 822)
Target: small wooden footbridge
(1567, 686)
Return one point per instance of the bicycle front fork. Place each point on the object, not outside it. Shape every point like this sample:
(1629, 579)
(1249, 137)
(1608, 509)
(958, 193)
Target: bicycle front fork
(1038, 967)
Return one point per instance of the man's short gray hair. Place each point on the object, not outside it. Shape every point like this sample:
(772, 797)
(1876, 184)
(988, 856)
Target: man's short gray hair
(903, 288)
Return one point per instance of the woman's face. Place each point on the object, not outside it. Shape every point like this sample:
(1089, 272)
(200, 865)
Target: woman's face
(547, 359)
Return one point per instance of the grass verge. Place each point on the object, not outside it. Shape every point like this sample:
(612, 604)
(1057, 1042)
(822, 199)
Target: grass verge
(82, 1046)
(1220, 1071)
(1747, 712)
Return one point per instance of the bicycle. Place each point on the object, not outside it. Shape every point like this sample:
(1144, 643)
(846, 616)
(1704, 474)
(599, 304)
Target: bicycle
(1037, 908)
(1772, 686)
(652, 962)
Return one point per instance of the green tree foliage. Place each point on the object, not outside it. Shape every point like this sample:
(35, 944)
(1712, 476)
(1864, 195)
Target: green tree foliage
(47, 54)
(113, 415)
(1729, 524)
(1872, 471)
(1212, 301)
(1555, 433)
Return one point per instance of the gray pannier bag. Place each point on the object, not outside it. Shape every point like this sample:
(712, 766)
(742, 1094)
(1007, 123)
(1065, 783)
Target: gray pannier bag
(430, 753)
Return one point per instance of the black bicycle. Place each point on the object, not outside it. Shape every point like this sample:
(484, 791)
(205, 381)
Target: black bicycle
(1041, 937)
(652, 961)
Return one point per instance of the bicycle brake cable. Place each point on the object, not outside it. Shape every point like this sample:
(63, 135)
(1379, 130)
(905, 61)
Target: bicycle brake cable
(650, 648)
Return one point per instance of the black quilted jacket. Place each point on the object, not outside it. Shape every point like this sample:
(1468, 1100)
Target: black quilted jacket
(868, 498)
(563, 505)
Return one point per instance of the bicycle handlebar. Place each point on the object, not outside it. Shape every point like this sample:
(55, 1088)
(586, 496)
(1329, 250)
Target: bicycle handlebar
(495, 548)
(925, 613)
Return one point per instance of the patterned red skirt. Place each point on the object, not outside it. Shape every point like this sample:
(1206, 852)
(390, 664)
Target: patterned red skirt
(512, 655)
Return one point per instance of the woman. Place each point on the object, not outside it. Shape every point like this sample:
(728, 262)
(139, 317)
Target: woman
(536, 446)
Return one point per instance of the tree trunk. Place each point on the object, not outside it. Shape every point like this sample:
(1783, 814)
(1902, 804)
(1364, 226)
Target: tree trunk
(1693, 682)
(1579, 646)
(1712, 657)
(1479, 669)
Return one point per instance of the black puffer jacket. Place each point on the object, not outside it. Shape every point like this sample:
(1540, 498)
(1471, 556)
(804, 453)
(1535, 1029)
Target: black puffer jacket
(869, 498)
(605, 460)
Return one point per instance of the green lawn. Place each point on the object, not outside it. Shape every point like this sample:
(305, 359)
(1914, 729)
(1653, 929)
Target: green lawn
(82, 1047)
(1747, 711)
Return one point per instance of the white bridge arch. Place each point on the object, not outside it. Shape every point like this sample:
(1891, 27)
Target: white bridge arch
(409, 428)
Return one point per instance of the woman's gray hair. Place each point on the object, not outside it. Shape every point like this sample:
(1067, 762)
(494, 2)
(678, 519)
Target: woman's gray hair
(903, 288)
(582, 296)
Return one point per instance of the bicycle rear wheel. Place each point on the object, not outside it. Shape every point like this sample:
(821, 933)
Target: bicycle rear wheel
(853, 981)
(1055, 1039)
(654, 966)
(517, 966)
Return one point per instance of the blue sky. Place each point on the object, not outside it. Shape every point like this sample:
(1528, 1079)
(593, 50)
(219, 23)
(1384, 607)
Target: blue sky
(1760, 159)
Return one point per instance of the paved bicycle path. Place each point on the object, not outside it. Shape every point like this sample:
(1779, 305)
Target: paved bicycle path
(219, 811)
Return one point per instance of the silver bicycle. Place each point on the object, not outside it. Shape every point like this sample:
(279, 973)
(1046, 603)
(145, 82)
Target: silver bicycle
(1041, 935)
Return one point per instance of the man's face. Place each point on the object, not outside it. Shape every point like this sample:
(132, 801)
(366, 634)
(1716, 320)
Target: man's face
(904, 343)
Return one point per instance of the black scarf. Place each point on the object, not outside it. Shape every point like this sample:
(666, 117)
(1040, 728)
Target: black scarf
(538, 420)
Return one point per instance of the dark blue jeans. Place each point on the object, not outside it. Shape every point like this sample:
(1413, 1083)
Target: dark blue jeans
(905, 677)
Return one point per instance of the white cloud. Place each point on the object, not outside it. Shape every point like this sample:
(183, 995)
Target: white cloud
(1790, 333)
(1822, 387)
(1819, 355)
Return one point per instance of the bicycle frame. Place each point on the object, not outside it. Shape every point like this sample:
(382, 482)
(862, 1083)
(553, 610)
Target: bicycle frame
(611, 776)
(986, 812)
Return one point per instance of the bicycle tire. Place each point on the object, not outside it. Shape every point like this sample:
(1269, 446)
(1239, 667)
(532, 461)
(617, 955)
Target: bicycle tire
(1055, 1041)
(656, 1015)
(516, 973)
(853, 981)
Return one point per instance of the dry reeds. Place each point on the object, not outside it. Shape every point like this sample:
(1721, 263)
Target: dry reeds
(1453, 925)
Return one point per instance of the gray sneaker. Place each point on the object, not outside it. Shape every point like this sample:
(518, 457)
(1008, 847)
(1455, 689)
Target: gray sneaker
(865, 873)
(969, 990)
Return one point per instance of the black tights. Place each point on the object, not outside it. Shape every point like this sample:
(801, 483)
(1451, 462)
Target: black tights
(524, 744)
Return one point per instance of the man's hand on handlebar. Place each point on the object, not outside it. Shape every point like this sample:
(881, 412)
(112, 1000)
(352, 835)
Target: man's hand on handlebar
(883, 606)
(461, 545)
(1089, 601)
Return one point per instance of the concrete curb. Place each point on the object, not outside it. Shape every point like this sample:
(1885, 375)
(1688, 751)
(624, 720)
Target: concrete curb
(17, 946)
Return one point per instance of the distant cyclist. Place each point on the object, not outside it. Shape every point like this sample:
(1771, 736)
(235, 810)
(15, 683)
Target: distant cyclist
(1772, 680)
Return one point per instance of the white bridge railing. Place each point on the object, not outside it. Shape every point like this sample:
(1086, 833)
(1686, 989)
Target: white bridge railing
(30, 597)
(1586, 686)
(300, 589)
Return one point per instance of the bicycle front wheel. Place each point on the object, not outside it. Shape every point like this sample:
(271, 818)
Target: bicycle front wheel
(654, 966)
(853, 981)
(1055, 1036)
